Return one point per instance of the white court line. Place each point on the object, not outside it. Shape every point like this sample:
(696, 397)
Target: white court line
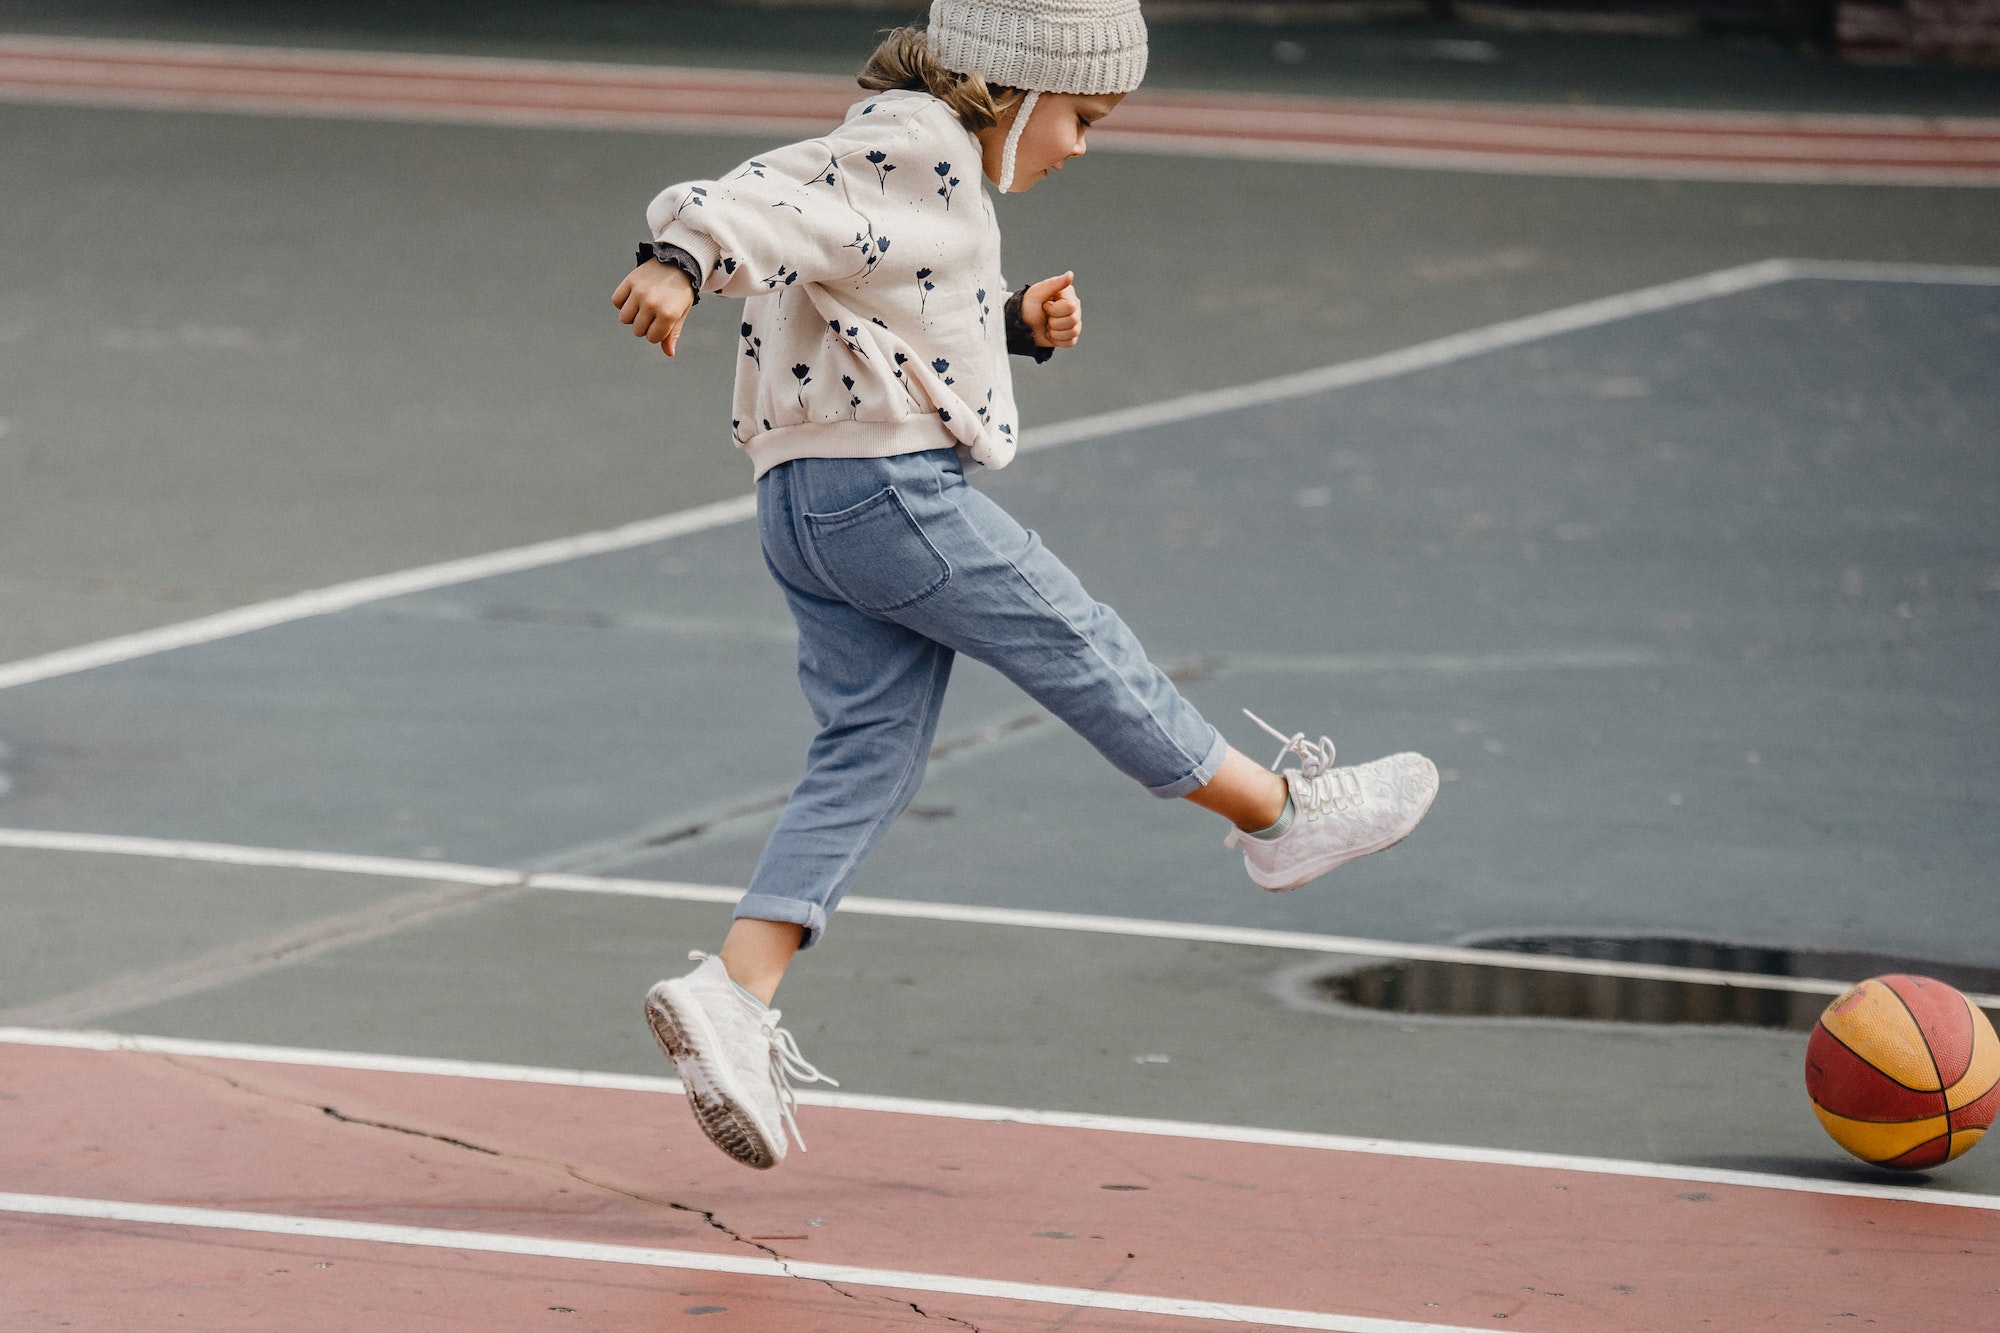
(908, 909)
(1848, 270)
(223, 853)
(382, 1233)
(1511, 333)
(1606, 166)
(1495, 337)
(342, 596)
(1110, 1124)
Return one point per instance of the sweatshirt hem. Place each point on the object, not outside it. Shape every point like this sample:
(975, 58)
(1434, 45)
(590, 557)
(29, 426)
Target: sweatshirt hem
(847, 439)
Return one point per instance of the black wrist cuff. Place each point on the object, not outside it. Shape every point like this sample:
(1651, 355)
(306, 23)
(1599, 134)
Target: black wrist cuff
(1020, 338)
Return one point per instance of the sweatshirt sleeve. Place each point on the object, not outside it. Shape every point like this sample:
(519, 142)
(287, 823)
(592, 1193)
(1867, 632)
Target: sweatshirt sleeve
(779, 219)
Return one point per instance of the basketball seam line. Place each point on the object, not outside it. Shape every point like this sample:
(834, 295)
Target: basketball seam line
(1929, 1054)
(1938, 1092)
(1950, 1111)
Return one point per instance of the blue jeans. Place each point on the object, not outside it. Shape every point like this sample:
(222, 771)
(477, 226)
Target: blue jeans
(892, 566)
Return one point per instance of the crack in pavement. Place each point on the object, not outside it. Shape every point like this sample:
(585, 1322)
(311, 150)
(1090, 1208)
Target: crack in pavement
(708, 1216)
(531, 1159)
(346, 1119)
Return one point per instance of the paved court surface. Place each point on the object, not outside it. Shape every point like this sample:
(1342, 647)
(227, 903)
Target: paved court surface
(1696, 604)
(201, 412)
(1694, 609)
(441, 1172)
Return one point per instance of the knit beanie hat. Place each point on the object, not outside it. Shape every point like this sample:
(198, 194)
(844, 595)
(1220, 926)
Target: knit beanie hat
(1049, 46)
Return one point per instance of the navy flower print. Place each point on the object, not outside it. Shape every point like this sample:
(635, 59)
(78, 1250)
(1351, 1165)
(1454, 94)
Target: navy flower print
(869, 246)
(753, 346)
(984, 309)
(880, 161)
(826, 175)
(924, 288)
(947, 183)
(853, 398)
(902, 360)
(780, 280)
(803, 374)
(847, 337)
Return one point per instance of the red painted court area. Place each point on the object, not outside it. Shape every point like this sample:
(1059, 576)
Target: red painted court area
(1885, 149)
(236, 1193)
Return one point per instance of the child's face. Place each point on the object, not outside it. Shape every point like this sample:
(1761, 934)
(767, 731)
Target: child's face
(1055, 134)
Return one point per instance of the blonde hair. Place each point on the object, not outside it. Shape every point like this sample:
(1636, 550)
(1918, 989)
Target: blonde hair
(904, 60)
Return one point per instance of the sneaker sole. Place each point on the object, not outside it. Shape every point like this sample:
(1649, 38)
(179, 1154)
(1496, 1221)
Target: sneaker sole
(682, 1040)
(1318, 868)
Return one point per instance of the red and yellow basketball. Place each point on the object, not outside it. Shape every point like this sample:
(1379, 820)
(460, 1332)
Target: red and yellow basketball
(1904, 1072)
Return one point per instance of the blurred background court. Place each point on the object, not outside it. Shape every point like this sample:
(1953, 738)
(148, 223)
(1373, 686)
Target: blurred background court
(1602, 401)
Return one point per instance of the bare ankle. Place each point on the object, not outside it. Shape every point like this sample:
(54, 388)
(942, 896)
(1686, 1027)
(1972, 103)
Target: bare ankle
(756, 954)
(1243, 792)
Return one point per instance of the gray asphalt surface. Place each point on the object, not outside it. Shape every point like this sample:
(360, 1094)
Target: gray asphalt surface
(246, 356)
(1772, 511)
(327, 350)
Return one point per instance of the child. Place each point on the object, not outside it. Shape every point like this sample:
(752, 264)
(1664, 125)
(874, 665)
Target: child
(875, 334)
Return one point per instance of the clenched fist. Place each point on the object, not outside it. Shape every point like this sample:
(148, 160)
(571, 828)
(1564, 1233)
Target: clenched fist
(1053, 311)
(655, 299)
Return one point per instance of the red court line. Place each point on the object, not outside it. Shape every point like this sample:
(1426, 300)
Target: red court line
(1472, 1245)
(1585, 140)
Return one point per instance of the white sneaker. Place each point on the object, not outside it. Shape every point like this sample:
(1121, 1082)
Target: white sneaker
(734, 1059)
(1338, 814)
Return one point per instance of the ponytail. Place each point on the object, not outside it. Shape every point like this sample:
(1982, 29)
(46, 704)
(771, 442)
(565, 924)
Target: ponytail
(904, 60)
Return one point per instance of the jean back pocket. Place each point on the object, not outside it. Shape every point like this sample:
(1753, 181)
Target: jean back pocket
(875, 555)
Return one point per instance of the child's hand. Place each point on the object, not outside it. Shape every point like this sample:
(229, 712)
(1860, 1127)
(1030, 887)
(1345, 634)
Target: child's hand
(655, 299)
(1053, 311)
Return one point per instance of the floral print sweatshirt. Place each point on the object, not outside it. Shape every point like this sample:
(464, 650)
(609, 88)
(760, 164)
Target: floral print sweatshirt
(874, 317)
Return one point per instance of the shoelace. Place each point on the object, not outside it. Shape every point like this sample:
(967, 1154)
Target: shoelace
(786, 1064)
(1313, 759)
(1321, 787)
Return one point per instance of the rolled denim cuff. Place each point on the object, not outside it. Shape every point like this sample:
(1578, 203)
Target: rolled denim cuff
(1204, 772)
(766, 907)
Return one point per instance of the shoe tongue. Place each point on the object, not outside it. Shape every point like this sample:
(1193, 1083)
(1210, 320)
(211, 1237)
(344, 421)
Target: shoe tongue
(713, 971)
